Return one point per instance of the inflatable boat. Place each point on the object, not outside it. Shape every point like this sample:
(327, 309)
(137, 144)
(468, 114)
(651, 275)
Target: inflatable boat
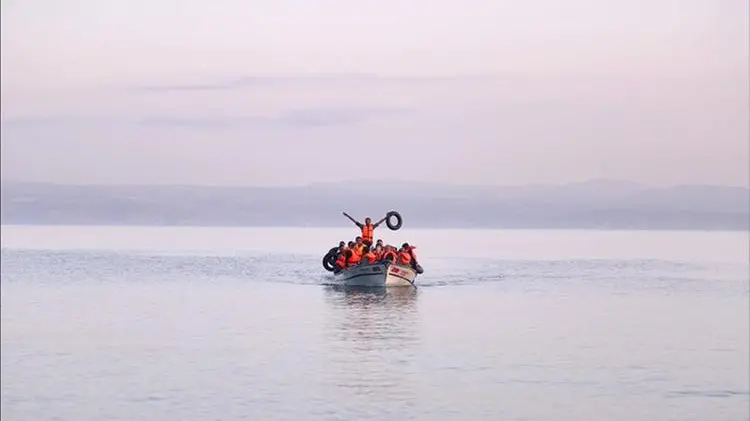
(376, 275)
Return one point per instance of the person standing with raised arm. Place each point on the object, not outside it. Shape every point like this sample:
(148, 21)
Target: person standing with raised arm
(368, 228)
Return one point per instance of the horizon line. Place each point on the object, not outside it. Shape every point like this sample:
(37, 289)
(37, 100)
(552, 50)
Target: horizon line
(329, 227)
(377, 181)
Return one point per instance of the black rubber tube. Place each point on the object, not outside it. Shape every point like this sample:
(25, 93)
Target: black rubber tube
(329, 261)
(399, 220)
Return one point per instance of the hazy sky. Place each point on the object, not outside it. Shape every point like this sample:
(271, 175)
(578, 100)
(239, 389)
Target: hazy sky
(291, 92)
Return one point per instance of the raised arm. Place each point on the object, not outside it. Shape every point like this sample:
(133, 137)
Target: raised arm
(375, 225)
(357, 223)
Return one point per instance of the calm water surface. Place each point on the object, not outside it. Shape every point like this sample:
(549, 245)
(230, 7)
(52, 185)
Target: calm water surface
(135, 323)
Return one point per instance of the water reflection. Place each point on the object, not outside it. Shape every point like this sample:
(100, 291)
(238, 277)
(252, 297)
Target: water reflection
(395, 297)
(376, 338)
(374, 318)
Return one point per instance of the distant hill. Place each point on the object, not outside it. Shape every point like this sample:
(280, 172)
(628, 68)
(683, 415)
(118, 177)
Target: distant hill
(597, 204)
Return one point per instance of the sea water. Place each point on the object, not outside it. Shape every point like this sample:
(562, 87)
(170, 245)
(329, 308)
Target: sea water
(177, 323)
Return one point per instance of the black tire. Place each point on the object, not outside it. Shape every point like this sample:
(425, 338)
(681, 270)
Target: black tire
(417, 267)
(399, 220)
(332, 259)
(329, 262)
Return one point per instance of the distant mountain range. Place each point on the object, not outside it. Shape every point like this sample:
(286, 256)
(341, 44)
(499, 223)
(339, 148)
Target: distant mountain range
(597, 204)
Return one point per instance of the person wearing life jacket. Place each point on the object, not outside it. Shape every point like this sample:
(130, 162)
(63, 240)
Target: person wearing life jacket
(404, 256)
(410, 249)
(369, 256)
(360, 245)
(379, 250)
(389, 254)
(368, 228)
(355, 256)
(341, 258)
(348, 252)
(414, 263)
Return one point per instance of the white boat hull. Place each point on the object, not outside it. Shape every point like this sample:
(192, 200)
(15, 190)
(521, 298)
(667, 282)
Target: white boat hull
(377, 275)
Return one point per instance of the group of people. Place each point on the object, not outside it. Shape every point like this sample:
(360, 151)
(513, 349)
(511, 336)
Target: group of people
(362, 251)
(358, 252)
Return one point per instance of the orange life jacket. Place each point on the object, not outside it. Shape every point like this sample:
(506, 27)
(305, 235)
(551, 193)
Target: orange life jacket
(404, 258)
(413, 254)
(390, 253)
(371, 257)
(341, 260)
(356, 257)
(367, 232)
